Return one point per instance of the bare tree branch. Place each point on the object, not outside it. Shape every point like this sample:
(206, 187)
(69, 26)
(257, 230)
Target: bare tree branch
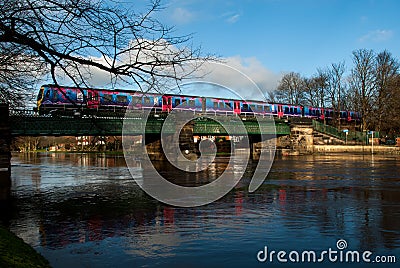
(75, 38)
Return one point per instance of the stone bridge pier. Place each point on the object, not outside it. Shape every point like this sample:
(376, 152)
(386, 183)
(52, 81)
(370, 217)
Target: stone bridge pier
(185, 143)
(156, 150)
(5, 154)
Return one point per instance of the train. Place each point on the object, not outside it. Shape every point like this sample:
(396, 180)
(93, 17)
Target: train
(72, 100)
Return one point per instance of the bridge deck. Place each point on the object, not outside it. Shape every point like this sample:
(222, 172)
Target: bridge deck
(27, 123)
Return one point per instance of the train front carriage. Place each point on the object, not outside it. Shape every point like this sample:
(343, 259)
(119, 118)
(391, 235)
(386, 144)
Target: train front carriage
(52, 99)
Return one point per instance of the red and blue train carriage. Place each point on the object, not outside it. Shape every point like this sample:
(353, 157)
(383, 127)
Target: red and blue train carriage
(69, 99)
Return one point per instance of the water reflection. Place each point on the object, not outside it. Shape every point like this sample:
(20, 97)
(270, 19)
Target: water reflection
(86, 210)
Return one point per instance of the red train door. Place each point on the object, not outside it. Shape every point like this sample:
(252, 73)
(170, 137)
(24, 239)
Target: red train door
(280, 111)
(92, 99)
(322, 116)
(236, 107)
(166, 103)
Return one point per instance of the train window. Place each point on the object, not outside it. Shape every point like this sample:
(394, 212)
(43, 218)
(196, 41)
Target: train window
(221, 105)
(55, 95)
(252, 107)
(184, 102)
(107, 98)
(267, 108)
(79, 95)
(228, 105)
(122, 98)
(215, 104)
(89, 95)
(295, 110)
(245, 106)
(146, 100)
(47, 93)
(177, 102)
(286, 110)
(68, 94)
(40, 95)
(191, 103)
(137, 100)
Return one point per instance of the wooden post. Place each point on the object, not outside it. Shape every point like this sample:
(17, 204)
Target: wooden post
(5, 154)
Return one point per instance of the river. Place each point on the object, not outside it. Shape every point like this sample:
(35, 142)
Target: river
(85, 210)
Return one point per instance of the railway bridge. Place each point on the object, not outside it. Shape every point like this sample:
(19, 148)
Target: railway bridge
(29, 123)
(16, 123)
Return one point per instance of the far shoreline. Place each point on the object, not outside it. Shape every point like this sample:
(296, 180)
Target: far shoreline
(309, 150)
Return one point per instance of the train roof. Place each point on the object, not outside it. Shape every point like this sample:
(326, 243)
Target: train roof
(182, 95)
(96, 89)
(151, 93)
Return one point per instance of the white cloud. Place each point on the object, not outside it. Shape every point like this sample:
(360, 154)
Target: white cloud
(246, 77)
(233, 19)
(181, 15)
(377, 36)
(252, 67)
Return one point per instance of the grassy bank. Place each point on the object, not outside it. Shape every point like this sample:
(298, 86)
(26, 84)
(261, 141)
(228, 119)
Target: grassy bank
(14, 252)
(357, 149)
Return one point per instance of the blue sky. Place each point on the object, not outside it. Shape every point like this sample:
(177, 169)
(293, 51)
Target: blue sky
(278, 36)
(263, 39)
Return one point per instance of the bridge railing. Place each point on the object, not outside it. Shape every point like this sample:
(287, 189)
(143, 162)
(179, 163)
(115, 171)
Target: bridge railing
(326, 129)
(23, 113)
(355, 136)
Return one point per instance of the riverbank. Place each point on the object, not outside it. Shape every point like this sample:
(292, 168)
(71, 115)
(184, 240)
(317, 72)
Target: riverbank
(14, 252)
(357, 149)
(341, 149)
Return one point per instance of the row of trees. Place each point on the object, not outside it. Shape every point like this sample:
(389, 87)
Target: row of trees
(371, 87)
(67, 143)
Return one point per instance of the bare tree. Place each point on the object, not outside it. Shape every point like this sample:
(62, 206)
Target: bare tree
(291, 89)
(391, 118)
(26, 144)
(336, 88)
(315, 89)
(18, 75)
(310, 92)
(363, 84)
(386, 71)
(70, 39)
(271, 95)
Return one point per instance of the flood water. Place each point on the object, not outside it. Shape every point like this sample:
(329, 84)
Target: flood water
(81, 210)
